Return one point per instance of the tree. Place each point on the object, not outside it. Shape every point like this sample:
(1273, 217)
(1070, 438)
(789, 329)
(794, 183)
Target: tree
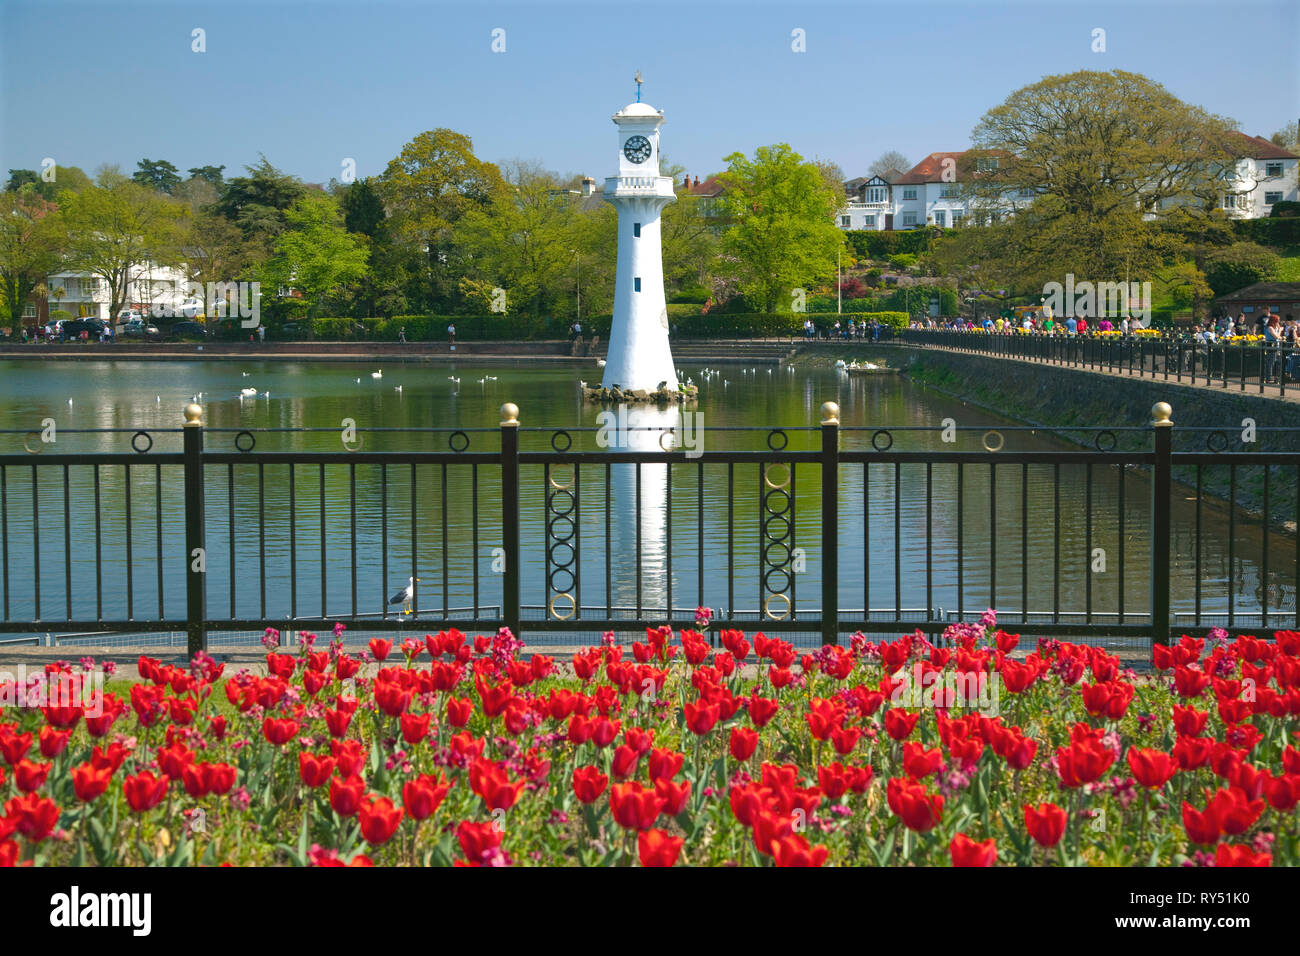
(215, 252)
(892, 159)
(18, 178)
(1239, 265)
(117, 226)
(528, 242)
(314, 253)
(363, 207)
(782, 233)
(30, 243)
(1287, 137)
(213, 174)
(157, 174)
(258, 202)
(1100, 143)
(427, 188)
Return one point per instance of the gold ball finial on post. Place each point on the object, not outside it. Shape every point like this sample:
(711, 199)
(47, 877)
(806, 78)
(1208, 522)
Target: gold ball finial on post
(509, 414)
(193, 415)
(1161, 415)
(830, 414)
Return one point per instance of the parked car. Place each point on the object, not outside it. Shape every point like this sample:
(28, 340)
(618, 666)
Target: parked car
(72, 328)
(140, 329)
(130, 315)
(52, 328)
(188, 330)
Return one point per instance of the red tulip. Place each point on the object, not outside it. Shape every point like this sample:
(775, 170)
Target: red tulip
(29, 776)
(53, 741)
(314, 770)
(144, 791)
(665, 764)
(1151, 768)
(966, 852)
(415, 729)
(762, 709)
(36, 816)
(459, 711)
(919, 811)
(794, 850)
(899, 724)
(589, 783)
(380, 648)
(1227, 855)
(657, 848)
(279, 732)
(493, 785)
(1201, 826)
(345, 795)
(477, 840)
(700, 717)
(919, 762)
(423, 795)
(89, 782)
(743, 743)
(674, 795)
(379, 820)
(13, 746)
(1046, 824)
(634, 807)
(1284, 792)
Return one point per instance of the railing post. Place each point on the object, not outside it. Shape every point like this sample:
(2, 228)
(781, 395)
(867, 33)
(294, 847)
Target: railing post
(831, 524)
(1162, 424)
(510, 512)
(196, 597)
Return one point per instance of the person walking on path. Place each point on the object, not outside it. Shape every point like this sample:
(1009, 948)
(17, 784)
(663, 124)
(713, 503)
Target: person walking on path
(401, 334)
(451, 336)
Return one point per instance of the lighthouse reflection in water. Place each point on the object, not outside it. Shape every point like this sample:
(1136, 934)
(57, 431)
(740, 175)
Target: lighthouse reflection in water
(640, 429)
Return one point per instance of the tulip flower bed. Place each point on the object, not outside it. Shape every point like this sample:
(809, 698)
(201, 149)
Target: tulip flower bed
(686, 748)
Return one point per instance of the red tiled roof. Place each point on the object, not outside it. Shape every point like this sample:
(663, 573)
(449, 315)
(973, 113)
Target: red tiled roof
(1256, 147)
(929, 170)
(708, 188)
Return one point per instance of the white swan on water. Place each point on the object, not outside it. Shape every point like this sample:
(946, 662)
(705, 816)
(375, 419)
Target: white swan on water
(378, 374)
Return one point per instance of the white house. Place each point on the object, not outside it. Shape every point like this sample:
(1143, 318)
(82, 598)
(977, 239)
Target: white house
(83, 295)
(1263, 175)
(930, 193)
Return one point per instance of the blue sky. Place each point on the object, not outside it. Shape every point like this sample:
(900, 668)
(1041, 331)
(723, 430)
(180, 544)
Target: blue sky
(311, 84)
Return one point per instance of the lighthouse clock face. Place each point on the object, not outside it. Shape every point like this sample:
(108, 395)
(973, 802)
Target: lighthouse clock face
(637, 149)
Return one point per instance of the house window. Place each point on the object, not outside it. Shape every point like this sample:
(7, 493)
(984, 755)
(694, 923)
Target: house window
(1234, 201)
(986, 164)
(909, 193)
(909, 219)
(1273, 170)
(636, 284)
(868, 222)
(947, 191)
(957, 216)
(876, 194)
(845, 222)
(636, 230)
(29, 310)
(939, 219)
(1270, 198)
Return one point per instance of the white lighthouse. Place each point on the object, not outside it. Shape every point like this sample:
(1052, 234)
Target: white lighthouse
(639, 356)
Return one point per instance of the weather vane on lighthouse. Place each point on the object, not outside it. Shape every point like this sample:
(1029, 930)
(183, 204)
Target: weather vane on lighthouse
(639, 81)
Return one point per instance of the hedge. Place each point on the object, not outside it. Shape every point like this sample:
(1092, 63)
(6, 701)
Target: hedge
(1269, 232)
(872, 244)
(743, 324)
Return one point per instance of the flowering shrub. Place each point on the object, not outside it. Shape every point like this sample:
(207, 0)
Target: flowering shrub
(680, 749)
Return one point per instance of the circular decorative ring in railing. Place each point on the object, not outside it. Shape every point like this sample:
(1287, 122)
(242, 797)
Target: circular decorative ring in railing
(767, 607)
(767, 475)
(357, 446)
(457, 441)
(772, 536)
(569, 484)
(573, 606)
(568, 496)
(767, 554)
(882, 433)
(147, 437)
(555, 440)
(667, 433)
(560, 587)
(29, 448)
(773, 435)
(554, 521)
(783, 502)
(239, 441)
(561, 560)
(767, 578)
(988, 441)
(1217, 442)
(1105, 441)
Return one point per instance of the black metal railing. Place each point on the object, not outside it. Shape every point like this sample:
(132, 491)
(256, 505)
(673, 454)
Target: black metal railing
(1174, 358)
(1122, 536)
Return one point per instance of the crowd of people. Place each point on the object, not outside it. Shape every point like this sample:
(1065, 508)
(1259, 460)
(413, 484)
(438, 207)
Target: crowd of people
(856, 329)
(1267, 327)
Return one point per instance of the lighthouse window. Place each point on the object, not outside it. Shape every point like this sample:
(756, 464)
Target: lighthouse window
(636, 229)
(636, 283)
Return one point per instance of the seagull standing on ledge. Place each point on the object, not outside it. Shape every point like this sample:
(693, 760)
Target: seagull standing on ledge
(405, 596)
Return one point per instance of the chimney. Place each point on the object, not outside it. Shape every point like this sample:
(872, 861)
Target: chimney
(697, 180)
(687, 183)
(588, 185)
